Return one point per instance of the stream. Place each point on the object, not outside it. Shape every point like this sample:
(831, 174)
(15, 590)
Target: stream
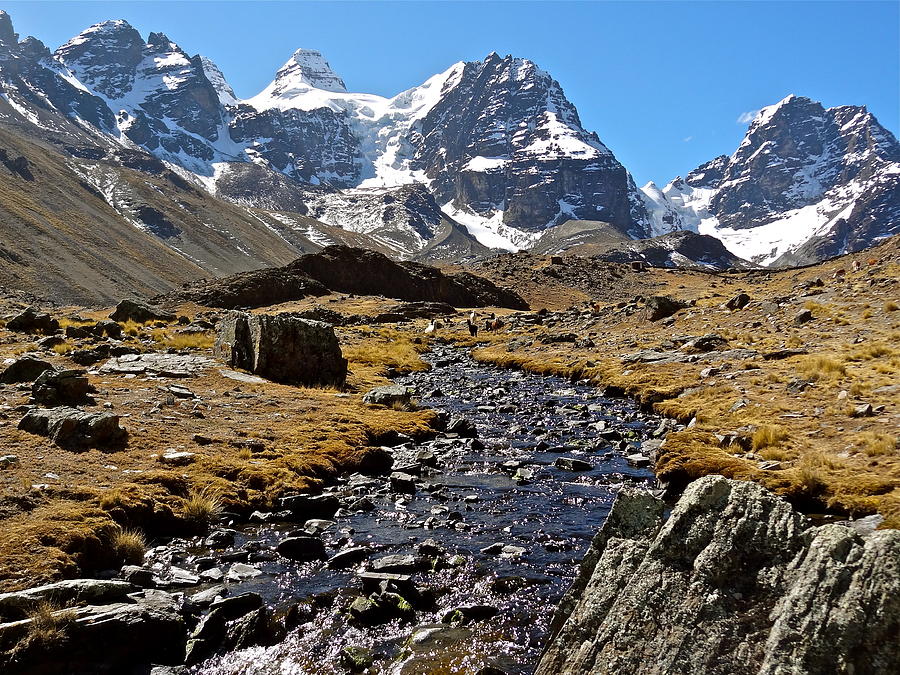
(483, 549)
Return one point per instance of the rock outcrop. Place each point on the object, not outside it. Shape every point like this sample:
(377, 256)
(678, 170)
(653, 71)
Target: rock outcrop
(75, 429)
(282, 348)
(735, 581)
(346, 269)
(354, 270)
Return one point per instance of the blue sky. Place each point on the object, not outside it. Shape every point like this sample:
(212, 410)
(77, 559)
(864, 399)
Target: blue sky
(662, 83)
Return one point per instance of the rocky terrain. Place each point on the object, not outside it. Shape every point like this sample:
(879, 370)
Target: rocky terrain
(734, 581)
(428, 522)
(128, 163)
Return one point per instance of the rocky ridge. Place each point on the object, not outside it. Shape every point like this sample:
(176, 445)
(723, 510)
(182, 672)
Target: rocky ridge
(735, 581)
(806, 183)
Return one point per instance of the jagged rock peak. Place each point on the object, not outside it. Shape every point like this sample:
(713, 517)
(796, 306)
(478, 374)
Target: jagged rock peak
(218, 81)
(8, 36)
(307, 68)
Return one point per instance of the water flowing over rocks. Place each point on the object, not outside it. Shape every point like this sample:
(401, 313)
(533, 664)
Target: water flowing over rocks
(735, 581)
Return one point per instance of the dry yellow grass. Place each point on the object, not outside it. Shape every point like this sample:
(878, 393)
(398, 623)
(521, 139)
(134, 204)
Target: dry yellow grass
(387, 349)
(202, 506)
(822, 367)
(768, 436)
(876, 444)
(129, 546)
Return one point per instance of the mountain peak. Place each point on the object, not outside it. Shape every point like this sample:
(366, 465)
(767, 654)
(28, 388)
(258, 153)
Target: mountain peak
(308, 68)
(8, 36)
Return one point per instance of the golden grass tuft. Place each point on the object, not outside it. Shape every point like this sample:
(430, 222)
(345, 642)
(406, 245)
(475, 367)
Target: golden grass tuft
(166, 340)
(391, 351)
(768, 436)
(202, 506)
(112, 499)
(49, 626)
(63, 348)
(129, 546)
(876, 444)
(891, 306)
(822, 368)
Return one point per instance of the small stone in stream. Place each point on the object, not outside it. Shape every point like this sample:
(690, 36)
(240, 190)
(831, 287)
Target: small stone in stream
(572, 464)
(220, 538)
(511, 551)
(317, 506)
(471, 499)
(470, 614)
(236, 606)
(177, 576)
(461, 426)
(431, 549)
(210, 595)
(638, 460)
(399, 564)
(427, 458)
(523, 475)
(362, 504)
(241, 572)
(24, 369)
(402, 482)
(139, 576)
(356, 659)
(177, 458)
(139, 312)
(212, 574)
(318, 525)
(390, 395)
(493, 549)
(348, 557)
(302, 549)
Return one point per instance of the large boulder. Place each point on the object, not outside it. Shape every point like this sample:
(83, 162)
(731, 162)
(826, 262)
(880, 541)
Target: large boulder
(74, 429)
(24, 369)
(659, 307)
(106, 637)
(33, 321)
(734, 582)
(140, 312)
(282, 348)
(59, 387)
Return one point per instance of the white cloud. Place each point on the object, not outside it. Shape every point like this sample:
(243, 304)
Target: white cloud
(747, 117)
(687, 139)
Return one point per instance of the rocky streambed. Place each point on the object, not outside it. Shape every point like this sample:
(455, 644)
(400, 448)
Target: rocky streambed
(454, 561)
(450, 561)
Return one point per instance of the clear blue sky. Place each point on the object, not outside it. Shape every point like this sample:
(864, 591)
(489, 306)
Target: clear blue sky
(662, 83)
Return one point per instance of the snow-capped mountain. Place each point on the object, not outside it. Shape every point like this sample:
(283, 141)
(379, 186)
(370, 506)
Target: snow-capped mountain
(486, 155)
(496, 141)
(805, 183)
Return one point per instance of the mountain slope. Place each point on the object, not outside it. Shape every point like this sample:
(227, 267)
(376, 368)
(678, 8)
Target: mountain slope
(806, 183)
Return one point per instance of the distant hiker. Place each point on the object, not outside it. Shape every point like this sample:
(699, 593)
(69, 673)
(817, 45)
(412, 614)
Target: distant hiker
(473, 328)
(472, 317)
